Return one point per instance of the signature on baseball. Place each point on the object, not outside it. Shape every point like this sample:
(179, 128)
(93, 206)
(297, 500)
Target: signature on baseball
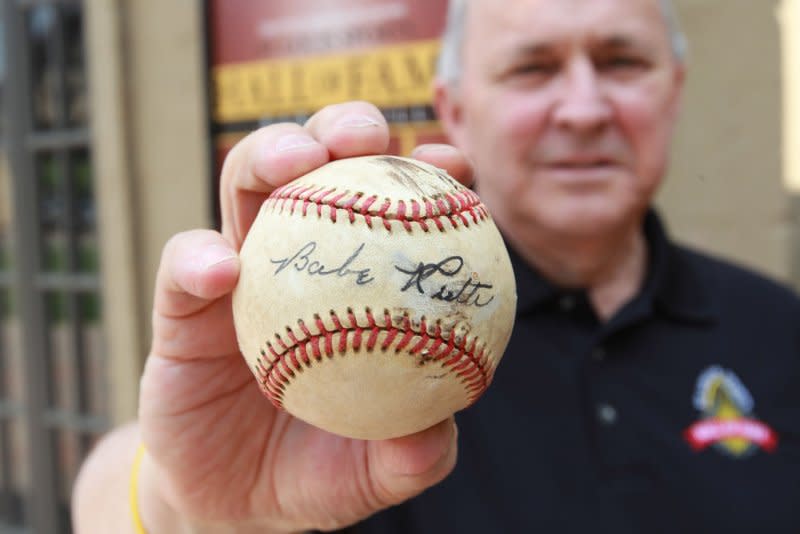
(305, 261)
(427, 277)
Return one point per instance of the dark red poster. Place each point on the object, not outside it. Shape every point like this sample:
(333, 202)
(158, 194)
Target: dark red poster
(282, 60)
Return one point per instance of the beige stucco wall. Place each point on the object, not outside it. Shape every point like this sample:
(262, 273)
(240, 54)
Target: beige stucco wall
(726, 188)
(168, 118)
(150, 151)
(116, 208)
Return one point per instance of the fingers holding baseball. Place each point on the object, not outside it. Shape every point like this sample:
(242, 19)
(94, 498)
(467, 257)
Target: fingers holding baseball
(266, 159)
(277, 154)
(191, 315)
(404, 467)
(446, 157)
(350, 129)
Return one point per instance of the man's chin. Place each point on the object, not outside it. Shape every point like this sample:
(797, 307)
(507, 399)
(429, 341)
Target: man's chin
(585, 221)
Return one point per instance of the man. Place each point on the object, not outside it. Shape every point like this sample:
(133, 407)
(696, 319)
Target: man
(646, 388)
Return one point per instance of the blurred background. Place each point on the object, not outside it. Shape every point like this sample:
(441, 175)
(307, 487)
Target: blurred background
(115, 116)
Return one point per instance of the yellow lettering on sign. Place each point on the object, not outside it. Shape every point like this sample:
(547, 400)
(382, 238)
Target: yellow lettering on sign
(391, 76)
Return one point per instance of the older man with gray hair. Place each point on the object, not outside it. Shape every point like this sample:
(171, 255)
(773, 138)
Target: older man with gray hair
(646, 388)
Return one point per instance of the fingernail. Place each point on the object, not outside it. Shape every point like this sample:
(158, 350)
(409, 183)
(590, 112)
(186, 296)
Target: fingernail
(452, 449)
(294, 142)
(434, 148)
(431, 451)
(357, 121)
(453, 443)
(213, 255)
(448, 453)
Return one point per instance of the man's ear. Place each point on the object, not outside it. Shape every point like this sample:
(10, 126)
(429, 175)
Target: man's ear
(447, 104)
(679, 81)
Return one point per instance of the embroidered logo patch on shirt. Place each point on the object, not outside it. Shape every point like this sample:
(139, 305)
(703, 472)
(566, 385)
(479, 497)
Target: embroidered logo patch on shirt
(727, 422)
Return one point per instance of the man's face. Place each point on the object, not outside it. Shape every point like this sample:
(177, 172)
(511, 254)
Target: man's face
(566, 108)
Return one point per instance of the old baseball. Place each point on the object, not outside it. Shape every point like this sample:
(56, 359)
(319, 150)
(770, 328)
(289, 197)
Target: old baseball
(375, 298)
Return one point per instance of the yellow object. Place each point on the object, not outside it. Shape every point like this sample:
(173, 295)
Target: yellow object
(389, 76)
(138, 528)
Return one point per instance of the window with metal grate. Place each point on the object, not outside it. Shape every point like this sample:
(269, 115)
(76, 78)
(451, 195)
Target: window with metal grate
(53, 403)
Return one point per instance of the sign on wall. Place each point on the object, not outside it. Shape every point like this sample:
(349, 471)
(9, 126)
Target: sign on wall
(284, 59)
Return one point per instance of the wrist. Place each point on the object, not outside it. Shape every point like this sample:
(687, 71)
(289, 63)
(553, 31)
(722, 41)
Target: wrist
(155, 514)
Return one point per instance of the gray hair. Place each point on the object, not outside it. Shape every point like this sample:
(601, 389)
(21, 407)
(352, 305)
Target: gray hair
(449, 64)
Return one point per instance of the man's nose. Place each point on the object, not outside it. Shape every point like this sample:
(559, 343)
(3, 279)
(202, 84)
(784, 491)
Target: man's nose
(582, 107)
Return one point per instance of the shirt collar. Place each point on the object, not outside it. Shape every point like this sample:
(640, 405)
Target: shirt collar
(672, 284)
(533, 290)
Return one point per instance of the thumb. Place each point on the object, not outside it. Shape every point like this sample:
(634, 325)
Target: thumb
(404, 467)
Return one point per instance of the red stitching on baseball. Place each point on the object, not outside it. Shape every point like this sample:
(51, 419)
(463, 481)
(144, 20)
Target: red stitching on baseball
(276, 368)
(349, 206)
(319, 201)
(365, 209)
(457, 208)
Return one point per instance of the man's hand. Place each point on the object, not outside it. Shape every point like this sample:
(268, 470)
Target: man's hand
(219, 456)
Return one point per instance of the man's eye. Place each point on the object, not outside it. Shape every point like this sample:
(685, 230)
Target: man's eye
(622, 63)
(535, 68)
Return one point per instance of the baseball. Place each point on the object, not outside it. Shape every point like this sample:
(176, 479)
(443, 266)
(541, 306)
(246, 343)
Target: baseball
(376, 297)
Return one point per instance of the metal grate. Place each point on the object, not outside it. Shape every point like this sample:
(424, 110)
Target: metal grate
(53, 405)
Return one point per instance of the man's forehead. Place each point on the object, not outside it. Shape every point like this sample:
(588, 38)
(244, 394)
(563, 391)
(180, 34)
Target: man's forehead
(540, 18)
(570, 5)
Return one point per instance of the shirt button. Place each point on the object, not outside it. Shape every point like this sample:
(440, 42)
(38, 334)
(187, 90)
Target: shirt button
(606, 414)
(599, 354)
(567, 303)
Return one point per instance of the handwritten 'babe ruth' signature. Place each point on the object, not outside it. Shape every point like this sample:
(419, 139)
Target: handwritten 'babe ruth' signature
(426, 277)
(303, 261)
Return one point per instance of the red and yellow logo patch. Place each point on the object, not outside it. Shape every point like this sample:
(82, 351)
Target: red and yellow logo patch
(727, 422)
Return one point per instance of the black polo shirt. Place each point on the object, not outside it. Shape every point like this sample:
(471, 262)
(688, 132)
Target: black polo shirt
(680, 414)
